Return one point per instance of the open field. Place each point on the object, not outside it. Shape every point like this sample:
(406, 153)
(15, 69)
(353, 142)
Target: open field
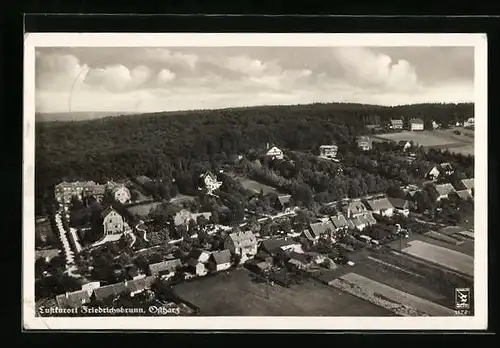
(420, 278)
(443, 139)
(235, 294)
(443, 256)
(400, 302)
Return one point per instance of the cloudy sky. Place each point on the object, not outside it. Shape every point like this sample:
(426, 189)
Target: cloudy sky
(164, 79)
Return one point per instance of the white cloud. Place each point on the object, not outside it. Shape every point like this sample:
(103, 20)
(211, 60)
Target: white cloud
(367, 68)
(164, 55)
(161, 79)
(165, 76)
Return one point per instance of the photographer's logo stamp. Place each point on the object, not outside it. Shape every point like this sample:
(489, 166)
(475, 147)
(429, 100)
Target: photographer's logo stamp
(462, 298)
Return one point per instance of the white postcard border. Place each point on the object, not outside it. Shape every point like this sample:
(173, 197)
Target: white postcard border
(478, 321)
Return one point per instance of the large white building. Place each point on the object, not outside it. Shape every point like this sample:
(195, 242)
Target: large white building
(417, 124)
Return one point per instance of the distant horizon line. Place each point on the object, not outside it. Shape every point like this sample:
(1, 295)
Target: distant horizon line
(250, 106)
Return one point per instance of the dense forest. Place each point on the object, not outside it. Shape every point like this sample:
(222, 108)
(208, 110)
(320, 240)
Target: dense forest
(178, 146)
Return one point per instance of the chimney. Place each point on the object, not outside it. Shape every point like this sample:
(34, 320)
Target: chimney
(267, 146)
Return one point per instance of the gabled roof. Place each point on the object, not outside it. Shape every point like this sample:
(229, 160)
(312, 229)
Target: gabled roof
(396, 122)
(196, 254)
(444, 189)
(309, 235)
(417, 121)
(284, 199)
(319, 228)
(273, 149)
(333, 146)
(243, 239)
(73, 299)
(140, 284)
(399, 203)
(446, 166)
(112, 290)
(273, 244)
(468, 183)
(221, 257)
(339, 221)
(464, 194)
(106, 212)
(379, 204)
(165, 266)
(359, 221)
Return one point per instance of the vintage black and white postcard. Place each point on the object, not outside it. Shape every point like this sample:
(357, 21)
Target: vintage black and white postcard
(255, 181)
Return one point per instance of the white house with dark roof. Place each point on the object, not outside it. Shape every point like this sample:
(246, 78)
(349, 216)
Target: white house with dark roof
(210, 182)
(275, 153)
(243, 244)
(220, 260)
(401, 206)
(328, 151)
(396, 124)
(340, 222)
(112, 222)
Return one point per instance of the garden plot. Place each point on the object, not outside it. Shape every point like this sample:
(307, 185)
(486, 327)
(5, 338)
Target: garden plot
(443, 256)
(444, 238)
(399, 302)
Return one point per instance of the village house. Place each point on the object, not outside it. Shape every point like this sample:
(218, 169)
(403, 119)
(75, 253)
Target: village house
(401, 206)
(273, 246)
(340, 223)
(283, 202)
(298, 260)
(258, 266)
(210, 182)
(416, 124)
(469, 185)
(410, 190)
(435, 125)
(90, 287)
(119, 192)
(405, 145)
(110, 291)
(396, 124)
(354, 208)
(364, 142)
(75, 299)
(380, 206)
(112, 221)
(469, 122)
(197, 260)
(446, 168)
(219, 260)
(243, 244)
(165, 269)
(319, 229)
(433, 174)
(136, 286)
(275, 153)
(328, 151)
(443, 191)
(184, 217)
